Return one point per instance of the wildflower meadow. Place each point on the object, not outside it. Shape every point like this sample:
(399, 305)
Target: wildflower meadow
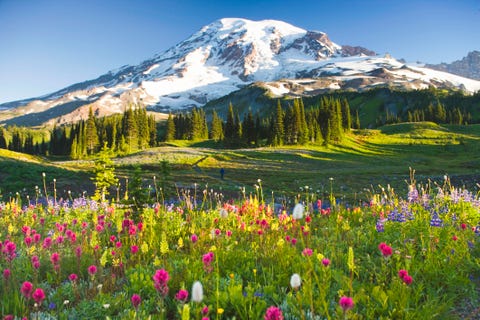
(410, 256)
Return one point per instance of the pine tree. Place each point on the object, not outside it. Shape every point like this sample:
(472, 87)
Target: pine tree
(302, 123)
(278, 127)
(357, 120)
(91, 134)
(3, 139)
(153, 131)
(216, 132)
(346, 117)
(249, 132)
(230, 124)
(170, 129)
(104, 174)
(130, 129)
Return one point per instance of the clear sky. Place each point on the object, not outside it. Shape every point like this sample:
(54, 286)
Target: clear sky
(46, 45)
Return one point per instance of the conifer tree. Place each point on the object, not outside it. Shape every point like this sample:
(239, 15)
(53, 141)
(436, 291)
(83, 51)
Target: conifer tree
(278, 127)
(3, 139)
(130, 129)
(357, 120)
(153, 131)
(104, 173)
(249, 132)
(230, 124)
(91, 133)
(346, 117)
(216, 132)
(170, 130)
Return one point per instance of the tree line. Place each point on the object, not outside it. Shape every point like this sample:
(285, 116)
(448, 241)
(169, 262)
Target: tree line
(292, 124)
(130, 131)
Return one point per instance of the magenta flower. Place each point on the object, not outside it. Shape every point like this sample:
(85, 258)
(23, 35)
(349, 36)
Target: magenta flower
(385, 249)
(6, 274)
(207, 261)
(78, 252)
(35, 262)
(160, 279)
(182, 295)
(326, 262)
(28, 241)
(92, 270)
(136, 300)
(37, 237)
(194, 238)
(73, 277)
(47, 242)
(205, 310)
(26, 289)
(407, 279)
(134, 249)
(402, 273)
(307, 252)
(55, 258)
(273, 313)
(38, 295)
(346, 303)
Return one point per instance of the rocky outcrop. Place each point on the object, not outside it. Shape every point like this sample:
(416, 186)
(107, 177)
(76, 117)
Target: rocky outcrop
(468, 67)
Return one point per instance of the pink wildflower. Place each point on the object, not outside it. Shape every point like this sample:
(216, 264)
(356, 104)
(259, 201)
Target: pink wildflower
(182, 295)
(402, 273)
(134, 249)
(326, 262)
(92, 270)
(273, 313)
(307, 252)
(73, 277)
(346, 303)
(385, 249)
(26, 289)
(407, 279)
(160, 279)
(194, 238)
(38, 295)
(6, 274)
(136, 300)
(55, 258)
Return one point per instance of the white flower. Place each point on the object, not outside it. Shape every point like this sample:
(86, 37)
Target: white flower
(298, 211)
(197, 292)
(106, 305)
(66, 302)
(295, 281)
(223, 213)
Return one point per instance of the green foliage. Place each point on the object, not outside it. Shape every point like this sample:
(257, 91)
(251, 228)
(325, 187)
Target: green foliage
(104, 174)
(170, 131)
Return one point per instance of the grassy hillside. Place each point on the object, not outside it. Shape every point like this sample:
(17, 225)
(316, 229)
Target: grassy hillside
(21, 173)
(366, 159)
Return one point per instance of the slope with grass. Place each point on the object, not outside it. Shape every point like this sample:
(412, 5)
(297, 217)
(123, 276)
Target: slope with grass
(365, 160)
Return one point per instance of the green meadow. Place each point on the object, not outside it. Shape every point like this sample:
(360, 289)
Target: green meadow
(365, 161)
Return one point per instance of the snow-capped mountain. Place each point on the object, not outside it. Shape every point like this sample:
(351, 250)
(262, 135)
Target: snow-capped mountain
(225, 56)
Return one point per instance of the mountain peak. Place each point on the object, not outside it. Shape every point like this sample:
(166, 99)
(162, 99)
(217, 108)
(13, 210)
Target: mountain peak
(224, 56)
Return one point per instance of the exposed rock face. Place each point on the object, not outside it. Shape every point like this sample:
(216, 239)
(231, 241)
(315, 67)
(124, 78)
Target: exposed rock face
(356, 51)
(468, 67)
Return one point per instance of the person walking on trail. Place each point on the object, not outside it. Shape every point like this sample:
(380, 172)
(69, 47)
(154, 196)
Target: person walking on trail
(222, 173)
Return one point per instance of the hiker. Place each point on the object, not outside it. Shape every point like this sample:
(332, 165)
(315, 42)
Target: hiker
(222, 173)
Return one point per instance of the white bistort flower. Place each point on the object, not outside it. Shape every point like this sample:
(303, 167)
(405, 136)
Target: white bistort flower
(197, 292)
(295, 281)
(298, 211)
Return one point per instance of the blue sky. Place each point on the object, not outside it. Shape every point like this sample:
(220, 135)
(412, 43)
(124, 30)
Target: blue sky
(49, 44)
